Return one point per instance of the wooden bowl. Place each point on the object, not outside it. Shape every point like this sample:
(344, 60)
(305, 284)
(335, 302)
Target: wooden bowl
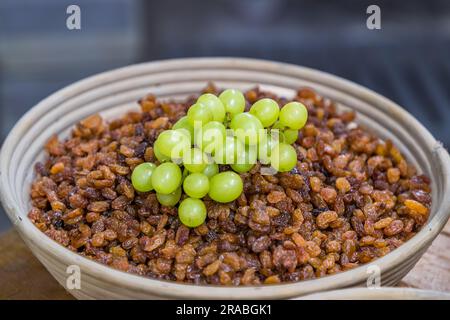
(114, 92)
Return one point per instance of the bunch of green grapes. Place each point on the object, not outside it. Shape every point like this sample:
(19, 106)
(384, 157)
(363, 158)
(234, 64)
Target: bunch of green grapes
(217, 130)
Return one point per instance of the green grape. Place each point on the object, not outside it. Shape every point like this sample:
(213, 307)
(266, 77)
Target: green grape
(266, 110)
(229, 151)
(294, 115)
(170, 199)
(158, 154)
(278, 125)
(196, 185)
(166, 178)
(246, 127)
(241, 168)
(290, 136)
(281, 136)
(186, 133)
(173, 143)
(192, 212)
(225, 187)
(214, 105)
(195, 160)
(264, 148)
(283, 157)
(245, 159)
(184, 174)
(233, 100)
(211, 170)
(183, 123)
(141, 178)
(199, 113)
(211, 136)
(277, 131)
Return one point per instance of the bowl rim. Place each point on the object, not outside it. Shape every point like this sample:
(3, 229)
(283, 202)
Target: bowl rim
(173, 289)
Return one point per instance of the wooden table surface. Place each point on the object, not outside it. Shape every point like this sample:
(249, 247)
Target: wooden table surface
(23, 277)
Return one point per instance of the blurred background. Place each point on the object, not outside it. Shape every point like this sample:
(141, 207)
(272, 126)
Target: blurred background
(408, 60)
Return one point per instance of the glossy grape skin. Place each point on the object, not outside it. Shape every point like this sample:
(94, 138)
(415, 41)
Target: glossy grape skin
(141, 178)
(211, 170)
(172, 143)
(278, 125)
(266, 110)
(293, 115)
(283, 157)
(211, 136)
(166, 178)
(186, 146)
(195, 160)
(247, 155)
(266, 144)
(158, 154)
(214, 105)
(290, 136)
(246, 127)
(241, 168)
(170, 199)
(183, 123)
(229, 151)
(184, 174)
(277, 130)
(199, 113)
(225, 187)
(192, 212)
(196, 185)
(233, 101)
